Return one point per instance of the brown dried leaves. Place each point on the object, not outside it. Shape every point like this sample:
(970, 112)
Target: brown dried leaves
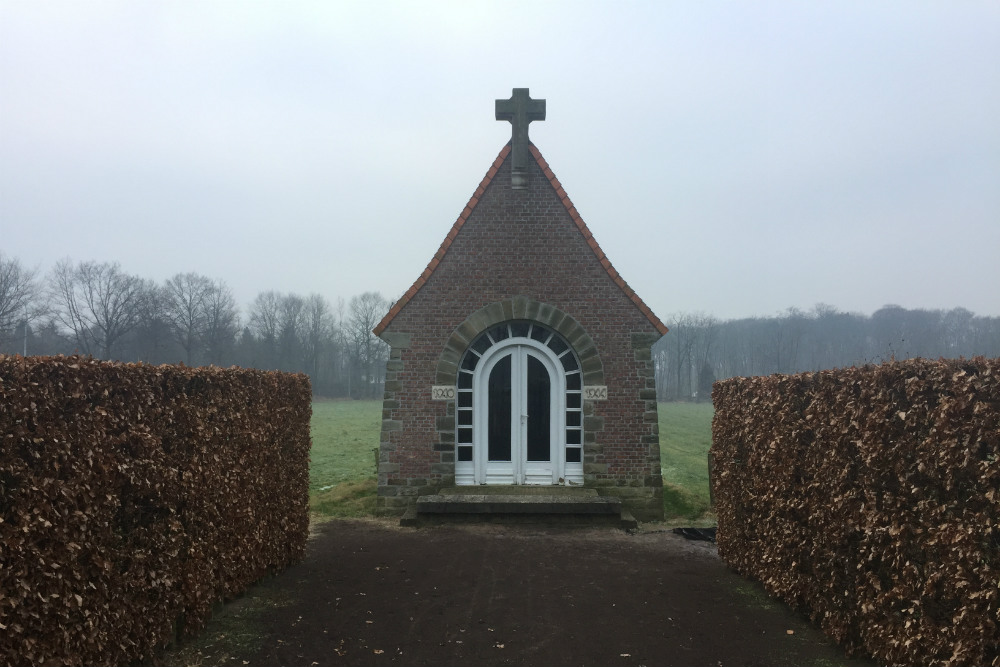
(133, 497)
(869, 496)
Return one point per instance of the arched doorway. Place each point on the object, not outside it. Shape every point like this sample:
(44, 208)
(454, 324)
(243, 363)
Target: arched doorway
(519, 416)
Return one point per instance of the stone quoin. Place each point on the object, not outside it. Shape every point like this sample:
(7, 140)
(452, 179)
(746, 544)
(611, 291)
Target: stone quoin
(520, 356)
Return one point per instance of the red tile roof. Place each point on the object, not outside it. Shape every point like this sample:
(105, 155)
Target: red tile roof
(573, 214)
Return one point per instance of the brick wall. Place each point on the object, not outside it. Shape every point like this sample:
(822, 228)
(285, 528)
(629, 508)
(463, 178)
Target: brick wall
(519, 255)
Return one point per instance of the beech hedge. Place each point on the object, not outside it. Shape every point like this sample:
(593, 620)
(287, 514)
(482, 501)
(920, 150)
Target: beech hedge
(870, 498)
(133, 498)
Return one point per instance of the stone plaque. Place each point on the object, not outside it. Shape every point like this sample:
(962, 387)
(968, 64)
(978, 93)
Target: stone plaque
(443, 393)
(595, 392)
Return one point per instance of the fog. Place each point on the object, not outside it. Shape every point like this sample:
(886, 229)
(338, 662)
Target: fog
(731, 158)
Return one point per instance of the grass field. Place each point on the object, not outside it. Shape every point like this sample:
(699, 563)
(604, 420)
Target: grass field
(685, 436)
(345, 433)
(342, 462)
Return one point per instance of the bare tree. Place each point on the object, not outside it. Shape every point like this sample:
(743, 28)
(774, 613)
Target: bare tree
(151, 339)
(19, 297)
(367, 311)
(290, 314)
(265, 322)
(222, 321)
(685, 357)
(786, 332)
(887, 332)
(343, 337)
(184, 306)
(681, 353)
(264, 315)
(98, 303)
(706, 329)
(796, 341)
(317, 330)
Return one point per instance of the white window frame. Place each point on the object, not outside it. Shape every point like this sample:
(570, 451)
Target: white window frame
(520, 470)
(477, 471)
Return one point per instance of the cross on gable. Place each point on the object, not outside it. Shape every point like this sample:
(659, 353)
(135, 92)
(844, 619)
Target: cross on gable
(520, 110)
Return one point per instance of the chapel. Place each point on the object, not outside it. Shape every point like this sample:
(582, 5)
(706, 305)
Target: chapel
(520, 357)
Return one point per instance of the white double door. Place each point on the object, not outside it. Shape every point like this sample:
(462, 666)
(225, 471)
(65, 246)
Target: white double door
(520, 416)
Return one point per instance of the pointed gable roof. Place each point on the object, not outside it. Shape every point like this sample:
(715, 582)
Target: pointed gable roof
(573, 214)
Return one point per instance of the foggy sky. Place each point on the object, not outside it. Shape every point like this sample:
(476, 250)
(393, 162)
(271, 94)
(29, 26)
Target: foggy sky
(732, 158)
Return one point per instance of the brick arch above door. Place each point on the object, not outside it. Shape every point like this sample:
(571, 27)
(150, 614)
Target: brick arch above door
(520, 308)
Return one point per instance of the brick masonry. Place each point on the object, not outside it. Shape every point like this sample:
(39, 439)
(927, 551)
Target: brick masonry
(520, 254)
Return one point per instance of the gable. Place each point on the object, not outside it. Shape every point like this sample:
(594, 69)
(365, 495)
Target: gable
(569, 209)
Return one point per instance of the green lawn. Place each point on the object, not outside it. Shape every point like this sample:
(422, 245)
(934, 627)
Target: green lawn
(342, 462)
(685, 436)
(345, 433)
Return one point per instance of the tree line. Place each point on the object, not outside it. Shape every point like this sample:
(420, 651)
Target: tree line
(97, 308)
(701, 348)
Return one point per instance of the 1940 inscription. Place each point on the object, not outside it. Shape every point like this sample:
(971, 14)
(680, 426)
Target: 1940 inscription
(442, 393)
(595, 393)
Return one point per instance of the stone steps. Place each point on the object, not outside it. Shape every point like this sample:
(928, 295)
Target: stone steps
(549, 505)
(521, 490)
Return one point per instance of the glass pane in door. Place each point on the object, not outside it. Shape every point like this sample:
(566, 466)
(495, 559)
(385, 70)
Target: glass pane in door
(539, 392)
(499, 411)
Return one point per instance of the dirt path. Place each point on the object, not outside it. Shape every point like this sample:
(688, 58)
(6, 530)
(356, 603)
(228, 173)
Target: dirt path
(369, 593)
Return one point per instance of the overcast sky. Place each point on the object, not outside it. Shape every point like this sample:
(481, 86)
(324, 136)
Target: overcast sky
(731, 158)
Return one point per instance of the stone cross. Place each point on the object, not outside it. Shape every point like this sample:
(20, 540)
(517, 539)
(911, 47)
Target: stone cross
(520, 110)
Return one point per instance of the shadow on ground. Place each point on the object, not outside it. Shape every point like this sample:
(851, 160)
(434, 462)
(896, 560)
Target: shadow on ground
(371, 593)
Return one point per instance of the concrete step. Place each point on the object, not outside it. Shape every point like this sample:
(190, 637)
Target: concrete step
(495, 503)
(521, 490)
(549, 505)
